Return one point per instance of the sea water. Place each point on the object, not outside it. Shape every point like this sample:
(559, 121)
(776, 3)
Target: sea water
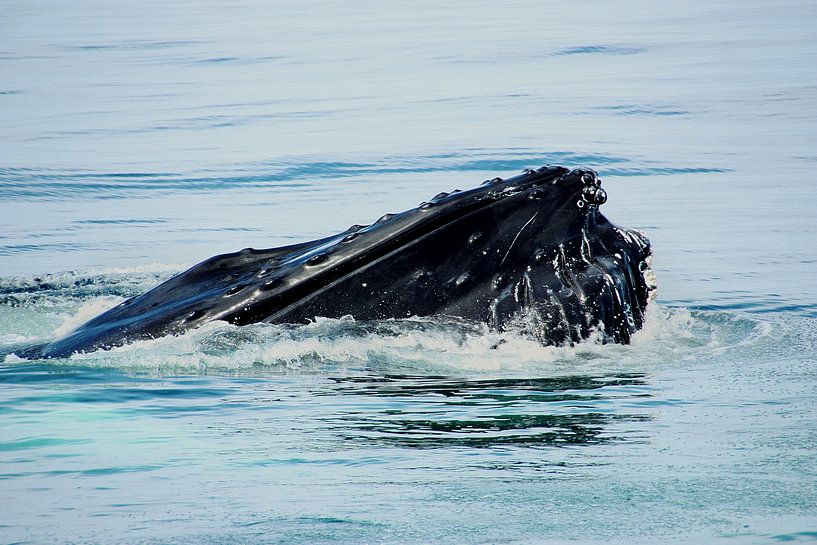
(139, 138)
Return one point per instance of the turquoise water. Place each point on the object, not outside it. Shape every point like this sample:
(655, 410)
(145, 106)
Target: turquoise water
(137, 139)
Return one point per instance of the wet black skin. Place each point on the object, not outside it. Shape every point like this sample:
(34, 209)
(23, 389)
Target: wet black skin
(533, 249)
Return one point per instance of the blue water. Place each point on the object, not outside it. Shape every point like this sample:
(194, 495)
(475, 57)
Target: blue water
(139, 138)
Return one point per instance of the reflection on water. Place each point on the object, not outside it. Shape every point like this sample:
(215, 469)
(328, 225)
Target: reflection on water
(440, 412)
(396, 446)
(369, 410)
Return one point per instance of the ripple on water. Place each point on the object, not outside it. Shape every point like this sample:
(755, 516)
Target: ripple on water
(305, 172)
(599, 50)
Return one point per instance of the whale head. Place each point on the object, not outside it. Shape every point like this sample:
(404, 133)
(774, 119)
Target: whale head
(533, 249)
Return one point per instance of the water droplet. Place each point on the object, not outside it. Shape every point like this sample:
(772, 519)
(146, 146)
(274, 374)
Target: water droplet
(475, 238)
(500, 280)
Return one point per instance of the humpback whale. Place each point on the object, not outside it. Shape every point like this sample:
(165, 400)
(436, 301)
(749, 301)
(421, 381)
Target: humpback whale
(532, 249)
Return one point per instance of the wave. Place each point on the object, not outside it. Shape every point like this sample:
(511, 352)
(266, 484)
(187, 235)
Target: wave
(38, 309)
(303, 173)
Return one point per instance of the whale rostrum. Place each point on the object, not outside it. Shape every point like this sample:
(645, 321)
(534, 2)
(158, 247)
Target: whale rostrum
(531, 249)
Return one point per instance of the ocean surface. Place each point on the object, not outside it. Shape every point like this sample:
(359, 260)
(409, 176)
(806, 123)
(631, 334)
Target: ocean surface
(138, 138)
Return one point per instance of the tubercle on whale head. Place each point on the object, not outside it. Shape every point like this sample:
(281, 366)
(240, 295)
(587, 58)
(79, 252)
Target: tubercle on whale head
(587, 185)
(581, 185)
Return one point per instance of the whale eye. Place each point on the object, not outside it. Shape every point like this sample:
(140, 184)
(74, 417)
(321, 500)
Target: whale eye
(536, 194)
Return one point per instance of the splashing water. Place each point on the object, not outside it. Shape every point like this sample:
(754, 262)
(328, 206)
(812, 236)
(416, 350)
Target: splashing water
(60, 303)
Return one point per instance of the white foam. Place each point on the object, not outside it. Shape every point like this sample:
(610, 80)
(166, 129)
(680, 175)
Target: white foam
(11, 339)
(149, 268)
(86, 311)
(411, 345)
(14, 358)
(422, 345)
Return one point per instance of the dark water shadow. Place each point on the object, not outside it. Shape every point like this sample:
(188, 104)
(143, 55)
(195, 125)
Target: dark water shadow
(443, 412)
